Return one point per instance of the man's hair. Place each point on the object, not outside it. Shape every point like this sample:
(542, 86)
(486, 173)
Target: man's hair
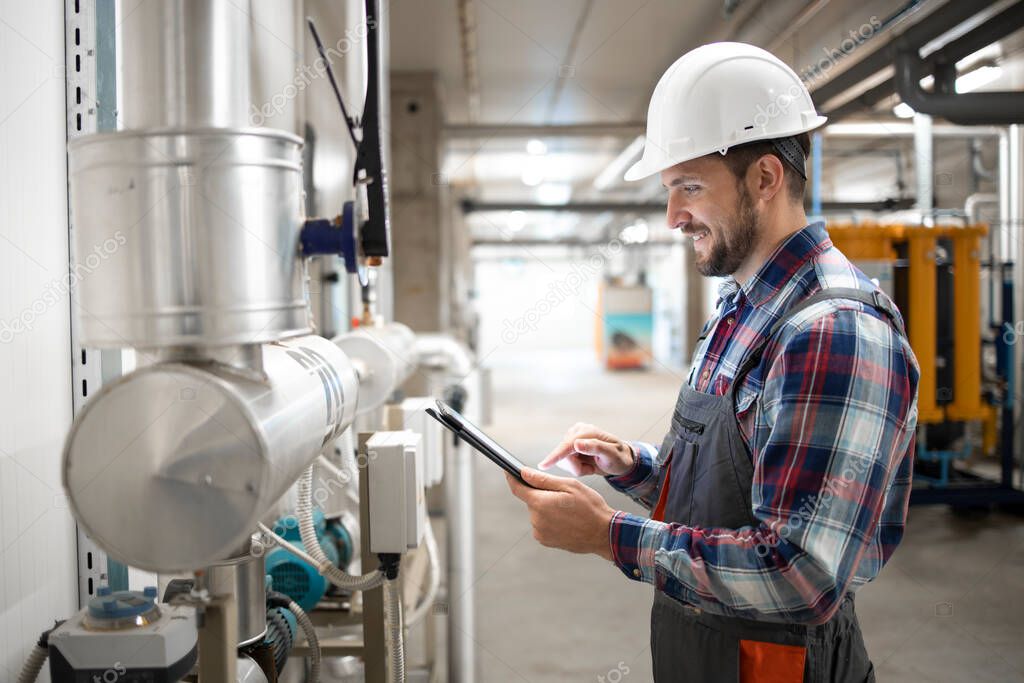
(739, 158)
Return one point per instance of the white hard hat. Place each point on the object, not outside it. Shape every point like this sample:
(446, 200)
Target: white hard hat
(718, 96)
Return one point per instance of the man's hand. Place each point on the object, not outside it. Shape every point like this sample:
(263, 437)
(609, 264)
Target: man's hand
(565, 513)
(589, 450)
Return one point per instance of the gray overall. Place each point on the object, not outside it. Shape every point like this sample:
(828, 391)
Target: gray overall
(710, 486)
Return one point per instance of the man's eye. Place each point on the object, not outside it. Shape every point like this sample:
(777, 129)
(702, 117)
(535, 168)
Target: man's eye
(691, 189)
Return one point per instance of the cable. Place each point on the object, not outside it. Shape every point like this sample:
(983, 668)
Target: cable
(33, 665)
(306, 624)
(324, 565)
(393, 619)
(350, 123)
(290, 547)
(424, 607)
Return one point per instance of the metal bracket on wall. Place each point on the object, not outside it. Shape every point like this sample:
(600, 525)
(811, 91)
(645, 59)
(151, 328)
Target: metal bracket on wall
(83, 63)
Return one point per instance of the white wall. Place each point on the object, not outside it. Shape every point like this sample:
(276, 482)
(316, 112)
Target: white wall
(38, 572)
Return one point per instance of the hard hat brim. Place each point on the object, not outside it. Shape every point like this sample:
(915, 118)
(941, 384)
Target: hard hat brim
(649, 164)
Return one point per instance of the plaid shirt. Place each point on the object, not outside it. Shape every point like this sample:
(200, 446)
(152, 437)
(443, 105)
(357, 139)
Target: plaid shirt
(829, 420)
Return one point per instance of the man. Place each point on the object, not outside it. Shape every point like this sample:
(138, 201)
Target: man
(783, 484)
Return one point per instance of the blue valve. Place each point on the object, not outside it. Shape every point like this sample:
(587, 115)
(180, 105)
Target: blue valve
(337, 237)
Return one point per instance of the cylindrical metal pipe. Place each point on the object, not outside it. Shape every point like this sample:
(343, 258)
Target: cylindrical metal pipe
(1015, 250)
(449, 360)
(384, 356)
(924, 168)
(188, 238)
(185, 64)
(171, 467)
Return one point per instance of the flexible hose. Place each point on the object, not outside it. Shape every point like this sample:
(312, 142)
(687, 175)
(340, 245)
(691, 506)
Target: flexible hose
(33, 665)
(322, 563)
(306, 624)
(393, 619)
(434, 560)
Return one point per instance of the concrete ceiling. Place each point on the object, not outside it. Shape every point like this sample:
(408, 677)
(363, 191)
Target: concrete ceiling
(543, 62)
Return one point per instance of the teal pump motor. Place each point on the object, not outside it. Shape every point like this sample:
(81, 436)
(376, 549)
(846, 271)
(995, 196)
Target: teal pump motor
(296, 578)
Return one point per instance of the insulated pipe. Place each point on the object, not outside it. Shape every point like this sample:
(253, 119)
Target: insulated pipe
(383, 355)
(172, 467)
(447, 355)
(185, 64)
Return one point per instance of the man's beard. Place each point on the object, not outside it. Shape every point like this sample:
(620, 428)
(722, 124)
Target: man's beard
(733, 243)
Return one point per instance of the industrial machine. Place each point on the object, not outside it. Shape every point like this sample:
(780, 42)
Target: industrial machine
(966, 390)
(245, 460)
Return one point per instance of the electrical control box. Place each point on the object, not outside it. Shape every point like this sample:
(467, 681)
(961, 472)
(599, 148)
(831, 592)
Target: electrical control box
(432, 446)
(394, 470)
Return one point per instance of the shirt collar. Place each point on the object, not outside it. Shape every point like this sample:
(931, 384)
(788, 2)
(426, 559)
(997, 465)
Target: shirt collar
(793, 253)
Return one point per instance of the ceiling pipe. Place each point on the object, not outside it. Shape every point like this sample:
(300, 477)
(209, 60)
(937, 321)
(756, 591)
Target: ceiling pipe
(981, 108)
(992, 30)
(470, 206)
(944, 19)
(577, 130)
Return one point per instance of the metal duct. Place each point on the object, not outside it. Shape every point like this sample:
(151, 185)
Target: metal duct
(185, 64)
(171, 467)
(187, 218)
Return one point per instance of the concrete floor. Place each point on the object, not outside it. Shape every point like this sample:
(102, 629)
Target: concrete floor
(949, 607)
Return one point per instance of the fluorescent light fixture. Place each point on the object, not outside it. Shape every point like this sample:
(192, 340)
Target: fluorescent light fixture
(903, 111)
(536, 147)
(982, 76)
(635, 233)
(614, 171)
(533, 176)
(554, 193)
(515, 221)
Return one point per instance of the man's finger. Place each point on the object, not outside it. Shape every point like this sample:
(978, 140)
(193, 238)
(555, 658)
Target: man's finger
(548, 482)
(560, 451)
(596, 447)
(518, 489)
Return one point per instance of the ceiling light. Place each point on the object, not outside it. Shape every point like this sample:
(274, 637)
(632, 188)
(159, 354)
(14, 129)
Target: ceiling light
(515, 221)
(635, 233)
(536, 147)
(554, 193)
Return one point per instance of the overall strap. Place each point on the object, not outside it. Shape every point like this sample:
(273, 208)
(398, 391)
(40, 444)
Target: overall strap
(873, 298)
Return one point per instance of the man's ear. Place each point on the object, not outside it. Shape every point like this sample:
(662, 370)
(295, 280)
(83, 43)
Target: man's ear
(769, 177)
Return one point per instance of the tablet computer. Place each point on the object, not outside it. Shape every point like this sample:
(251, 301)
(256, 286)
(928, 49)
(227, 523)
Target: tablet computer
(471, 434)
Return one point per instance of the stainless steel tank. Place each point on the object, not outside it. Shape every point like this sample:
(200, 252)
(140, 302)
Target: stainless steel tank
(244, 577)
(171, 467)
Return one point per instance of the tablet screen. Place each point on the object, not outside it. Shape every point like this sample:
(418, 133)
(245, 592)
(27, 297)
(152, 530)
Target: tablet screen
(477, 434)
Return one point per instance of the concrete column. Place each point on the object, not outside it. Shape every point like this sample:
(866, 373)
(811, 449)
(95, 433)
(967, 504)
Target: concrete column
(419, 226)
